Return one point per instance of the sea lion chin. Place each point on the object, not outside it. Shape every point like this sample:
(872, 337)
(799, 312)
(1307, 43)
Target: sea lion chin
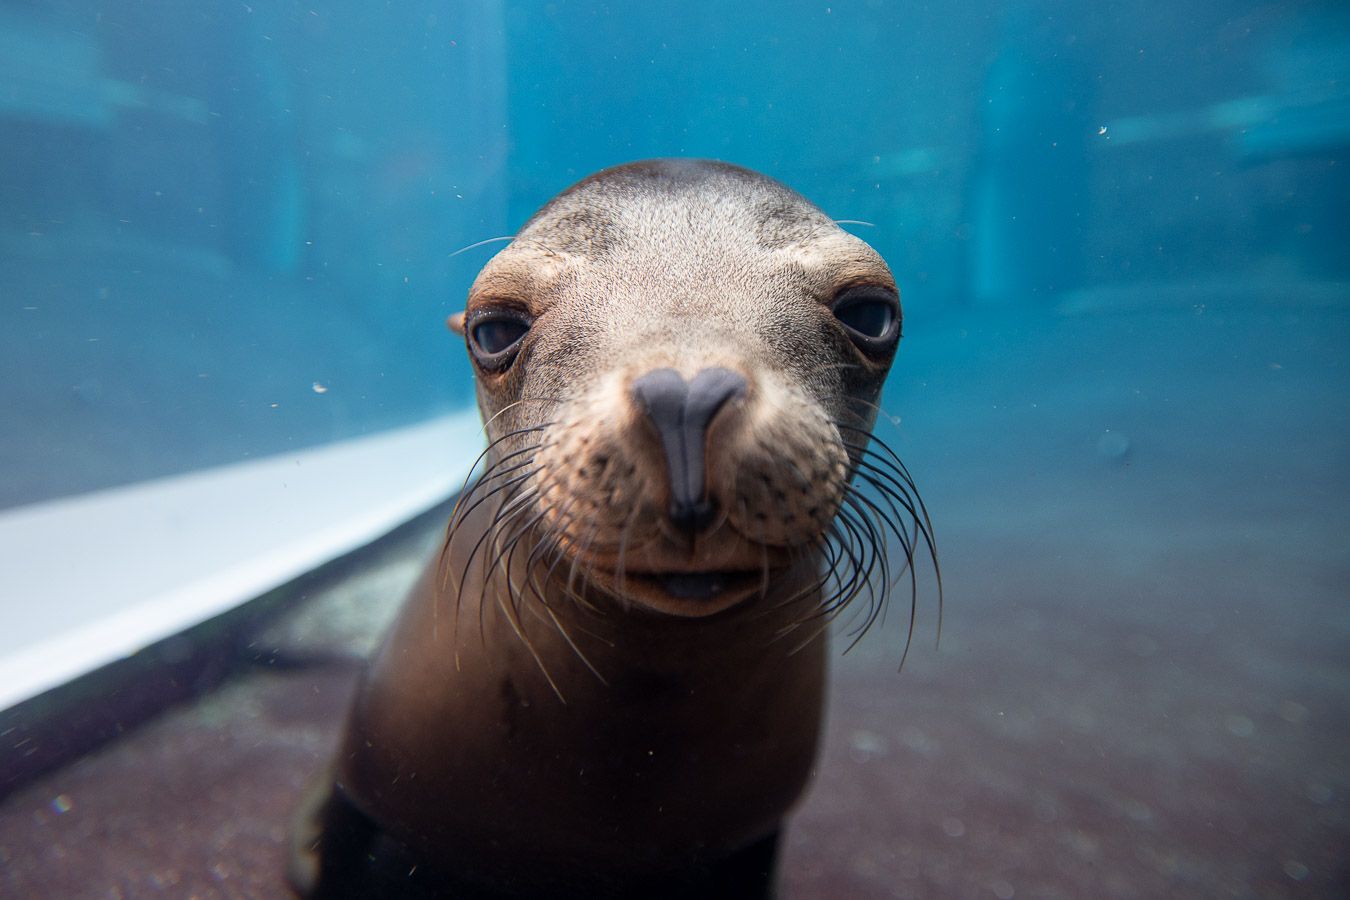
(609, 683)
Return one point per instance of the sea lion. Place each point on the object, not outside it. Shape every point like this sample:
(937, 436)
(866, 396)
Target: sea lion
(609, 683)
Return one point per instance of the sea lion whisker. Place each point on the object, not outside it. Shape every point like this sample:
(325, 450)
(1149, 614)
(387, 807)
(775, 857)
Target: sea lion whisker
(578, 597)
(841, 544)
(506, 555)
(810, 638)
(490, 535)
(552, 544)
(534, 242)
(909, 544)
(467, 500)
(620, 571)
(875, 462)
(873, 559)
(905, 492)
(483, 243)
(510, 609)
(895, 518)
(889, 519)
(466, 493)
(894, 457)
(810, 590)
(559, 556)
(487, 423)
(579, 553)
(885, 483)
(763, 558)
(849, 542)
(872, 545)
(507, 487)
(493, 444)
(518, 504)
(520, 451)
(550, 548)
(826, 555)
(506, 500)
(548, 544)
(914, 607)
(880, 563)
(507, 509)
(843, 539)
(859, 566)
(500, 463)
(863, 401)
(444, 569)
(832, 554)
(501, 471)
(567, 637)
(517, 594)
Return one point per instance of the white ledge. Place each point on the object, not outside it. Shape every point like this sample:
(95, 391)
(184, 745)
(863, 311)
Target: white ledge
(90, 579)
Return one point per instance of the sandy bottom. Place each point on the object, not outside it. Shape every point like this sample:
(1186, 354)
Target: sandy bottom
(1141, 689)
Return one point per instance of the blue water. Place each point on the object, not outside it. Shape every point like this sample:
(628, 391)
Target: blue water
(208, 208)
(231, 229)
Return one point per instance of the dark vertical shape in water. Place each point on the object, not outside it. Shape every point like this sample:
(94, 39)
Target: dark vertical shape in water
(1027, 191)
(265, 208)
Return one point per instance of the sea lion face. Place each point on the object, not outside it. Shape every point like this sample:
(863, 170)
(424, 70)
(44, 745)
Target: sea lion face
(678, 364)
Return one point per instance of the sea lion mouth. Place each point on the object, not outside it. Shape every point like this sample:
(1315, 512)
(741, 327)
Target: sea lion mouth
(702, 585)
(691, 593)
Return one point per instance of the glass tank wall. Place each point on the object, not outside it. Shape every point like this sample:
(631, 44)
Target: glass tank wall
(230, 230)
(226, 229)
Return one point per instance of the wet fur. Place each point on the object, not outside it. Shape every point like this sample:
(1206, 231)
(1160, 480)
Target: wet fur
(537, 589)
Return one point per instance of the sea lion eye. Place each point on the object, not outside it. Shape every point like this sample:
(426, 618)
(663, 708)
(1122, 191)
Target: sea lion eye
(494, 339)
(871, 317)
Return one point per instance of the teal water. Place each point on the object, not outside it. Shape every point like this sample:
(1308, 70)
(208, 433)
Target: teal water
(208, 208)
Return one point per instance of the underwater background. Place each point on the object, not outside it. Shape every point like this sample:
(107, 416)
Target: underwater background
(234, 229)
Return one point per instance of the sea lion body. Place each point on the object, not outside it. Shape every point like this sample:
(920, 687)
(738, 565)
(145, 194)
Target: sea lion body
(610, 682)
(692, 750)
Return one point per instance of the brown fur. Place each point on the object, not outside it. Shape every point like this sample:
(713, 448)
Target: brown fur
(543, 716)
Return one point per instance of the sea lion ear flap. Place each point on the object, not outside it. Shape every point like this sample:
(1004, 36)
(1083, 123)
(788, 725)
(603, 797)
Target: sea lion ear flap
(456, 323)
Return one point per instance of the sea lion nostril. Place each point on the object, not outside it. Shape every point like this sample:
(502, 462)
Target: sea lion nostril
(662, 394)
(709, 390)
(693, 517)
(681, 413)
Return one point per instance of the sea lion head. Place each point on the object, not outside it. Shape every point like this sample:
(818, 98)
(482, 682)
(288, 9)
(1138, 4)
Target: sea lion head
(678, 363)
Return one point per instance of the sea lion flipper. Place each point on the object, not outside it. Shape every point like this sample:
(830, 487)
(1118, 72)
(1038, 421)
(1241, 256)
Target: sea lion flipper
(748, 874)
(330, 843)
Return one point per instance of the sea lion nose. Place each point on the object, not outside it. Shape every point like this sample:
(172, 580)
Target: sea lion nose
(681, 412)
